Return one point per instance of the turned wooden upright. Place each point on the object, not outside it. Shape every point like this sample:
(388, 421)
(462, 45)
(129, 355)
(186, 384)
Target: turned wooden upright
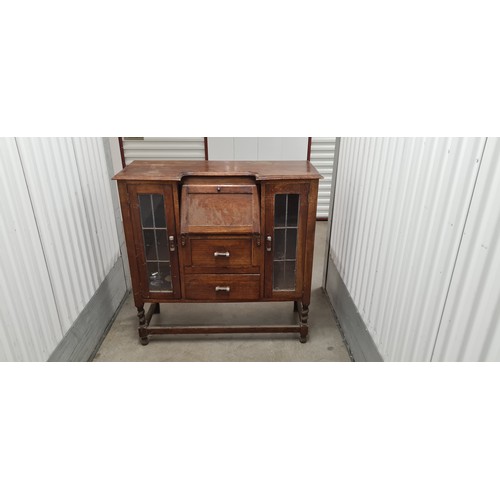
(219, 231)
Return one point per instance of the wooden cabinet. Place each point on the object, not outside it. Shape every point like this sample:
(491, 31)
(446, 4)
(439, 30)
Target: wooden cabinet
(208, 231)
(152, 220)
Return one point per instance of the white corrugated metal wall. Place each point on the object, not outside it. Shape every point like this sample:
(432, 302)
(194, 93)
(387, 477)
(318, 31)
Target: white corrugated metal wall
(470, 327)
(58, 212)
(29, 324)
(257, 148)
(400, 210)
(163, 148)
(323, 157)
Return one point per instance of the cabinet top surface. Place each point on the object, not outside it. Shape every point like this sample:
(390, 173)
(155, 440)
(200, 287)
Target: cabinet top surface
(175, 170)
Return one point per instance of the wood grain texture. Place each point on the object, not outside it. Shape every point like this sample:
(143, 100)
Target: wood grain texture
(309, 246)
(177, 330)
(240, 286)
(302, 189)
(130, 230)
(219, 205)
(221, 250)
(174, 170)
(166, 190)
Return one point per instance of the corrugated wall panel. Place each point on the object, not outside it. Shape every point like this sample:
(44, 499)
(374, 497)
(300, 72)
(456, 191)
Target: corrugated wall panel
(257, 148)
(400, 209)
(163, 148)
(29, 325)
(96, 190)
(470, 328)
(323, 157)
(55, 188)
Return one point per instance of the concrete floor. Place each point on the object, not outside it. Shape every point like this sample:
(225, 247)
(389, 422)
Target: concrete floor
(325, 342)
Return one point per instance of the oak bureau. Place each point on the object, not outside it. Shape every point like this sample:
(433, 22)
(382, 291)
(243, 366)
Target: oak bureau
(219, 231)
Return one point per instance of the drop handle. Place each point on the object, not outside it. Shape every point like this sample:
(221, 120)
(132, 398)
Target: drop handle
(222, 289)
(221, 254)
(172, 244)
(269, 243)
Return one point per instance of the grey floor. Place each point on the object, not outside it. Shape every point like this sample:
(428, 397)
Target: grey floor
(325, 342)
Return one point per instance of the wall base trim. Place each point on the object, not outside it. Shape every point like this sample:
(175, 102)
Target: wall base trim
(83, 339)
(355, 333)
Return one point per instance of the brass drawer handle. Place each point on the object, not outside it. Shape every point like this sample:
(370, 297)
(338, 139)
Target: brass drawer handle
(221, 254)
(222, 289)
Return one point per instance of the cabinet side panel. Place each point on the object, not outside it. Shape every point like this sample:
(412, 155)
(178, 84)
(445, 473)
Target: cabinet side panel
(309, 243)
(130, 242)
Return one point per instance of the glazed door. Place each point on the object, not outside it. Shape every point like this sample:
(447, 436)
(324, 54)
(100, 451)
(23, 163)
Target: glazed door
(153, 219)
(286, 206)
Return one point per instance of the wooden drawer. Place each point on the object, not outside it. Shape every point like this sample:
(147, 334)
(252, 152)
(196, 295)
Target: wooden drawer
(222, 252)
(222, 286)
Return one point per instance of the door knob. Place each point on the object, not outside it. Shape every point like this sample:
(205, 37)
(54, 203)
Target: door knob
(269, 244)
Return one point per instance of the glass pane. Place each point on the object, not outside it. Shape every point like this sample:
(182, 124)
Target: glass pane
(279, 244)
(289, 275)
(146, 213)
(149, 244)
(162, 244)
(154, 276)
(159, 210)
(291, 244)
(286, 218)
(292, 210)
(165, 276)
(278, 275)
(155, 236)
(280, 210)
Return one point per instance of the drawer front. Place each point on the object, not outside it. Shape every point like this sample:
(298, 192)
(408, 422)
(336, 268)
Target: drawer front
(222, 287)
(223, 252)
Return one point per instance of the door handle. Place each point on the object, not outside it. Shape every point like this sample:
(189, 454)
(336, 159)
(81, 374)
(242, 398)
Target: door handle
(269, 243)
(221, 254)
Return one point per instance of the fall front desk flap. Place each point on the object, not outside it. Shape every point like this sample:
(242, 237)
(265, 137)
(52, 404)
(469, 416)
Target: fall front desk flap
(220, 205)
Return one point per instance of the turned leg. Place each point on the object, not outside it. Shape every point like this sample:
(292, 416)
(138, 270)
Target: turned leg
(304, 327)
(143, 336)
(141, 315)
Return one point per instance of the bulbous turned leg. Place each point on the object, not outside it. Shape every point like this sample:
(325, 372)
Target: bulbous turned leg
(141, 315)
(143, 336)
(304, 314)
(304, 327)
